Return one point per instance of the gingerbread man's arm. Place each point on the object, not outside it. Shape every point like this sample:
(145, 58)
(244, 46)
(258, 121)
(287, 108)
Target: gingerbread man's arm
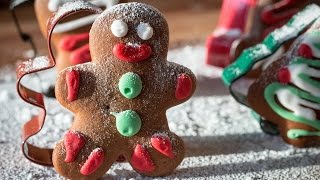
(75, 86)
(182, 83)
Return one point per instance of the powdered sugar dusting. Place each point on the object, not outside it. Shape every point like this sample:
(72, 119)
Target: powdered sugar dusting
(36, 63)
(222, 140)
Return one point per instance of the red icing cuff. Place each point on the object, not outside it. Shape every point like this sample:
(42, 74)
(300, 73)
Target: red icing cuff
(81, 55)
(73, 83)
(73, 143)
(141, 159)
(93, 162)
(132, 53)
(184, 87)
(72, 42)
(162, 144)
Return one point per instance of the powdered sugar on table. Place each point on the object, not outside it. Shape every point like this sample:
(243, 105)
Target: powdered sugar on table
(222, 140)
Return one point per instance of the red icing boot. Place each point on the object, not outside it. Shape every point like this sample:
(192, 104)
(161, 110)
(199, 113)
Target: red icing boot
(72, 80)
(232, 22)
(162, 144)
(81, 55)
(72, 42)
(184, 87)
(132, 53)
(73, 142)
(141, 159)
(305, 51)
(93, 162)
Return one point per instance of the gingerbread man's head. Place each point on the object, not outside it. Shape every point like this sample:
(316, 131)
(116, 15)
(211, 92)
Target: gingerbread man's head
(132, 34)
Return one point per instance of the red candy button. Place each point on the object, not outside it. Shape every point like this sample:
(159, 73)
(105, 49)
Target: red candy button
(93, 162)
(162, 144)
(284, 75)
(72, 80)
(141, 159)
(184, 87)
(73, 143)
(305, 51)
(132, 53)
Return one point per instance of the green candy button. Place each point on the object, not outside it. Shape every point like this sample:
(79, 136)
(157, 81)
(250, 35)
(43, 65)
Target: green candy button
(128, 122)
(130, 85)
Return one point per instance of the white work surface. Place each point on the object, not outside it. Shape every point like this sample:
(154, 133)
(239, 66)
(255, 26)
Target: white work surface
(222, 140)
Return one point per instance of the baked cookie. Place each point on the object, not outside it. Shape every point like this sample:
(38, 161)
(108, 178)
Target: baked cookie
(274, 95)
(121, 97)
(287, 92)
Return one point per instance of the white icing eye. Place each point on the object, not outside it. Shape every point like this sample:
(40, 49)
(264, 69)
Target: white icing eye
(119, 28)
(145, 31)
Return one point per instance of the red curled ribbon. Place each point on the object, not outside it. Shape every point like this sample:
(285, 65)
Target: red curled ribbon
(43, 156)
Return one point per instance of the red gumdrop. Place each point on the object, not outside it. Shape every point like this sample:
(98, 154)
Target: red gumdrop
(305, 51)
(73, 83)
(132, 53)
(284, 75)
(81, 55)
(162, 144)
(184, 87)
(141, 159)
(93, 162)
(73, 143)
(71, 42)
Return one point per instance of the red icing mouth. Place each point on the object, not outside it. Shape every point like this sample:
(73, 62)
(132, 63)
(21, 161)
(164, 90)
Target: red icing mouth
(132, 53)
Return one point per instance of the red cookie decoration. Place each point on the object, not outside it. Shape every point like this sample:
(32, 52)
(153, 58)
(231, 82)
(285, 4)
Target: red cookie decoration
(121, 97)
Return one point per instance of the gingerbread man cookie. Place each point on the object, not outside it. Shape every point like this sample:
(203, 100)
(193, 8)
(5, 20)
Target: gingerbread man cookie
(284, 94)
(121, 97)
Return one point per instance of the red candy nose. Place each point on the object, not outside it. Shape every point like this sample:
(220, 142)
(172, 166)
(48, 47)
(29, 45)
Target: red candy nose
(132, 53)
(305, 51)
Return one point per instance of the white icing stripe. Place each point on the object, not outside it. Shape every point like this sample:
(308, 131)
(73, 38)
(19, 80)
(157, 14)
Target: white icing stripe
(294, 103)
(75, 24)
(265, 63)
(297, 69)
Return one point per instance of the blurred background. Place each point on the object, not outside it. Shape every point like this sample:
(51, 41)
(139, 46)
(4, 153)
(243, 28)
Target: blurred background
(190, 22)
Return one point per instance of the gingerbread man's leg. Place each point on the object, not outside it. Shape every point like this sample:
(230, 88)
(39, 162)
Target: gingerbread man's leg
(156, 154)
(77, 156)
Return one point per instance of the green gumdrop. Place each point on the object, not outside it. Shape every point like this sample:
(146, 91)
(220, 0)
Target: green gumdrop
(128, 122)
(130, 85)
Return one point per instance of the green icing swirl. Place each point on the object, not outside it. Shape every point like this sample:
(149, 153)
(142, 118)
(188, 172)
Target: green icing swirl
(130, 85)
(296, 133)
(128, 122)
(271, 90)
(270, 44)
